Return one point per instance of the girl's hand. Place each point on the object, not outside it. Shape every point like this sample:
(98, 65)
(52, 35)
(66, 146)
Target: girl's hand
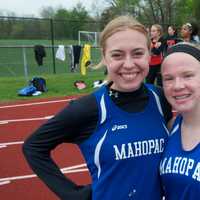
(157, 45)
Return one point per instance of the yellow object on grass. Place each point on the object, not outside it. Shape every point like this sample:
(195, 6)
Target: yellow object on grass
(85, 61)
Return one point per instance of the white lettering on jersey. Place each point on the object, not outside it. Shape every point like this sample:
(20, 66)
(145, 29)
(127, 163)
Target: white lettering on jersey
(119, 155)
(176, 165)
(196, 174)
(169, 165)
(189, 166)
(139, 148)
(119, 127)
(180, 165)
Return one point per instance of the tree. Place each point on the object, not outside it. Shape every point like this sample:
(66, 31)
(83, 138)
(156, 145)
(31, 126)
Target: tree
(68, 22)
(196, 8)
(164, 12)
(157, 11)
(97, 8)
(121, 7)
(47, 12)
(81, 20)
(61, 24)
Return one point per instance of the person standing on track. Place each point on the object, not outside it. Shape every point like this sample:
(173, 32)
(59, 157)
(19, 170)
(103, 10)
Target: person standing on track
(157, 49)
(120, 128)
(180, 164)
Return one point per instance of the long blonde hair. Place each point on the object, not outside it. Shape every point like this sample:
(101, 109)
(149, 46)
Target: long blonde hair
(159, 29)
(120, 23)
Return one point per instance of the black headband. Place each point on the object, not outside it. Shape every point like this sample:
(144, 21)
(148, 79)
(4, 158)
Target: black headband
(184, 48)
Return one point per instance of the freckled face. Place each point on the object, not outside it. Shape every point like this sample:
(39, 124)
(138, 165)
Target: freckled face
(126, 56)
(181, 81)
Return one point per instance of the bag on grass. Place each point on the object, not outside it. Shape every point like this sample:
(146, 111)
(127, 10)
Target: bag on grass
(27, 91)
(39, 83)
(79, 84)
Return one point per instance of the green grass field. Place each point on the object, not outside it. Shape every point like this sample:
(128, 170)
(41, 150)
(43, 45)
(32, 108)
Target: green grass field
(12, 75)
(58, 85)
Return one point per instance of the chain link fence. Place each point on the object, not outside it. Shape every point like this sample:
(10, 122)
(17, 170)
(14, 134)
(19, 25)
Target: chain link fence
(21, 61)
(19, 36)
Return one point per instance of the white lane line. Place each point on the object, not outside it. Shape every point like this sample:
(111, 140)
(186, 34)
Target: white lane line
(4, 145)
(4, 182)
(36, 103)
(73, 167)
(2, 122)
(66, 170)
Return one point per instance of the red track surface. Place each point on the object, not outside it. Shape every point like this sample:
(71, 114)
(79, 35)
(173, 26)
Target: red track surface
(17, 121)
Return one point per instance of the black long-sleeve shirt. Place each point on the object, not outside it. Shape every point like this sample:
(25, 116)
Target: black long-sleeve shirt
(74, 124)
(169, 41)
(159, 50)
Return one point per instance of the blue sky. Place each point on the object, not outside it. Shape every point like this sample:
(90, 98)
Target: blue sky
(33, 7)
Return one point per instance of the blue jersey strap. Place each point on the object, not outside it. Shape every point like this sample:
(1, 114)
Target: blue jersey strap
(155, 91)
(156, 94)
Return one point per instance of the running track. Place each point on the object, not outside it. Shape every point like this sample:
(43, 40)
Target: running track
(17, 180)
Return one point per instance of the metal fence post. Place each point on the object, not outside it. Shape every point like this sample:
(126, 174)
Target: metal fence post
(25, 63)
(52, 43)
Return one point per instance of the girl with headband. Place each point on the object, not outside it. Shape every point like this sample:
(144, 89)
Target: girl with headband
(180, 164)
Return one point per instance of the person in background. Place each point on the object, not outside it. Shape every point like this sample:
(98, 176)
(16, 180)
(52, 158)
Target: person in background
(180, 164)
(157, 48)
(121, 150)
(189, 33)
(171, 38)
(195, 32)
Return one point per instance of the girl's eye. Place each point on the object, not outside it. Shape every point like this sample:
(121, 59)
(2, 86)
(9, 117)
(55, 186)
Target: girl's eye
(117, 56)
(167, 79)
(189, 75)
(139, 53)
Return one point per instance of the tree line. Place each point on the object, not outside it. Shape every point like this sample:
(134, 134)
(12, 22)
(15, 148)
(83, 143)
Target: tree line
(67, 22)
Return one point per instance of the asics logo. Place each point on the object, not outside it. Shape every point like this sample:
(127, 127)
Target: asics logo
(119, 127)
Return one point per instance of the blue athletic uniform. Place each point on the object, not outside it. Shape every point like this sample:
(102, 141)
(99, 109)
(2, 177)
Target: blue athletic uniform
(180, 169)
(122, 144)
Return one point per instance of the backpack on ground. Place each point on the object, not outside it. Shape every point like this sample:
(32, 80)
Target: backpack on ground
(27, 91)
(39, 83)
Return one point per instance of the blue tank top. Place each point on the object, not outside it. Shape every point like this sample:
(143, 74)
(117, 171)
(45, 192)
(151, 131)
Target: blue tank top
(124, 152)
(180, 169)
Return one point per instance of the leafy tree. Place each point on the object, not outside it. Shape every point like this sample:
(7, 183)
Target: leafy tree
(47, 12)
(196, 8)
(61, 24)
(164, 12)
(81, 20)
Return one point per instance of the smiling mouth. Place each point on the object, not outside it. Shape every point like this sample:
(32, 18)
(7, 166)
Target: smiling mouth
(129, 76)
(182, 97)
